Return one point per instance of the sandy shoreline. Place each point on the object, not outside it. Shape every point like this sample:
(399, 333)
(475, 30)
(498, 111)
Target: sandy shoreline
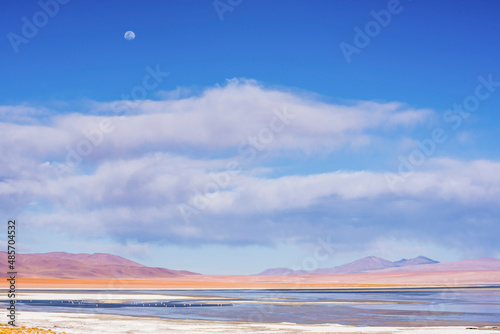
(247, 282)
(77, 323)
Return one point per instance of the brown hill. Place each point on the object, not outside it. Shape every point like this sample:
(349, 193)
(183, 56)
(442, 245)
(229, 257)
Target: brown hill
(96, 259)
(99, 265)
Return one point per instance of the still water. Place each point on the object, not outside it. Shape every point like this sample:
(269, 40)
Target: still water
(359, 307)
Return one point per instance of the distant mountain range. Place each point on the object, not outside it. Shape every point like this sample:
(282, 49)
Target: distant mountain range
(477, 265)
(98, 265)
(370, 263)
(107, 266)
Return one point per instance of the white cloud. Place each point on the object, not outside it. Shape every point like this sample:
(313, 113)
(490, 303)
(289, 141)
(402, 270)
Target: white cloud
(138, 200)
(160, 156)
(220, 119)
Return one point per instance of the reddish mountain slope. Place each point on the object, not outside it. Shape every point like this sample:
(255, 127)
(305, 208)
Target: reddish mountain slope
(65, 265)
(96, 259)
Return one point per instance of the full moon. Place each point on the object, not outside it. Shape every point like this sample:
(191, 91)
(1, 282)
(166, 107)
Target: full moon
(129, 35)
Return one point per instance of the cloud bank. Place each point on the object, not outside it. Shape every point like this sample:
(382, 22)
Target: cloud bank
(204, 170)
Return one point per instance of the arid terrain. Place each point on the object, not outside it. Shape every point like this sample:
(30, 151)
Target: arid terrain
(63, 270)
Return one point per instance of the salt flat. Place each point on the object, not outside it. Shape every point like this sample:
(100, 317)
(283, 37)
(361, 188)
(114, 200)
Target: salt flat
(77, 323)
(102, 296)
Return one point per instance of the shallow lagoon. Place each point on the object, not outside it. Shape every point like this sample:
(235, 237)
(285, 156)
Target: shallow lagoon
(359, 307)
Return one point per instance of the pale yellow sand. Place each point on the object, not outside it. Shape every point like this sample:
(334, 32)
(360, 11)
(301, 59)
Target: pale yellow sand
(7, 329)
(199, 282)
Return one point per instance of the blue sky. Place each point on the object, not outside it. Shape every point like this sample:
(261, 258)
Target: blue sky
(323, 172)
